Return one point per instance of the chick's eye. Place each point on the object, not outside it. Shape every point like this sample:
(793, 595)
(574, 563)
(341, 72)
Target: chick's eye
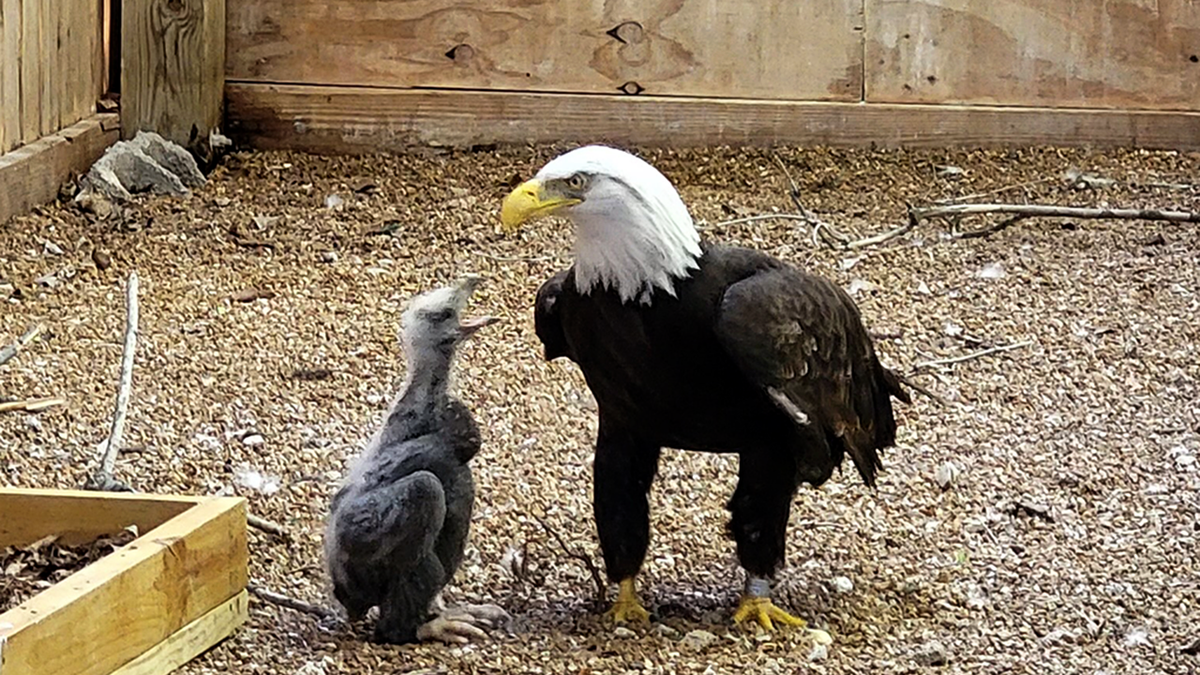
(577, 181)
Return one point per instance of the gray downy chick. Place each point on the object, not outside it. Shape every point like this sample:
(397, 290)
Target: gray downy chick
(398, 525)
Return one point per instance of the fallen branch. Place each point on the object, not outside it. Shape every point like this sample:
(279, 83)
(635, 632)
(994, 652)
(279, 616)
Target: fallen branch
(11, 350)
(936, 363)
(920, 389)
(102, 479)
(32, 404)
(597, 578)
(265, 525)
(755, 219)
(292, 603)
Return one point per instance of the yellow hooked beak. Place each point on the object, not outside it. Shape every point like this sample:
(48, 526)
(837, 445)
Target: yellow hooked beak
(530, 200)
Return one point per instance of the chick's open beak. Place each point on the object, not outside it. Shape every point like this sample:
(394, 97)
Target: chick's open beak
(468, 326)
(528, 201)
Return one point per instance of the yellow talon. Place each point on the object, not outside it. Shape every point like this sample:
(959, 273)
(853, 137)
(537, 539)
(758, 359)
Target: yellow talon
(764, 612)
(628, 608)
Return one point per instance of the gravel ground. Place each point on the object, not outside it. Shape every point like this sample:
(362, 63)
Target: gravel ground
(1064, 542)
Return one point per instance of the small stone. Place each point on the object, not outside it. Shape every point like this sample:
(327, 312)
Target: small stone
(253, 440)
(222, 201)
(946, 475)
(329, 256)
(334, 202)
(101, 260)
(819, 653)
(842, 585)
(663, 630)
(820, 637)
(51, 248)
(624, 633)
(932, 654)
(698, 640)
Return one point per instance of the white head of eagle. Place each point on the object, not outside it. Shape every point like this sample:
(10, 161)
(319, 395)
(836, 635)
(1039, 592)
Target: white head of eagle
(633, 233)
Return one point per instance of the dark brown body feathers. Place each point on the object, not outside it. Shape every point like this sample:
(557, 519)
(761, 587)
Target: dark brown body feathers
(696, 371)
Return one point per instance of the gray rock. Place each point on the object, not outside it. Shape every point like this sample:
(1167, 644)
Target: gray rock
(698, 640)
(931, 654)
(623, 632)
(666, 631)
(147, 163)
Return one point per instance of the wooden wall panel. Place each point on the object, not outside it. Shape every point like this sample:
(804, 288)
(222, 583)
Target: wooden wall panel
(50, 77)
(776, 49)
(10, 74)
(173, 67)
(1078, 53)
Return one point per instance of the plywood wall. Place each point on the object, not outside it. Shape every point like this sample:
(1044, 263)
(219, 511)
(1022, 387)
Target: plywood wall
(768, 49)
(1141, 54)
(1125, 54)
(51, 66)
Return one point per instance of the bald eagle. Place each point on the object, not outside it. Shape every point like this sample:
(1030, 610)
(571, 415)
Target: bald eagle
(698, 346)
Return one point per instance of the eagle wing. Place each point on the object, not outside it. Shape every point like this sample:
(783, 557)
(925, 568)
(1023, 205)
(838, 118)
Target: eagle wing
(546, 322)
(801, 338)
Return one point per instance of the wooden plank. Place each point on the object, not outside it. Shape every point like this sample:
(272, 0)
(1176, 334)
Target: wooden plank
(780, 49)
(78, 516)
(10, 74)
(1081, 53)
(192, 640)
(31, 71)
(117, 608)
(51, 75)
(347, 119)
(32, 174)
(173, 67)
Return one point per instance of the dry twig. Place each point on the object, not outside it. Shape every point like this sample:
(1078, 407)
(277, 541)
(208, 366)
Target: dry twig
(935, 363)
(292, 603)
(102, 479)
(11, 350)
(1017, 213)
(597, 578)
(920, 389)
(32, 404)
(265, 525)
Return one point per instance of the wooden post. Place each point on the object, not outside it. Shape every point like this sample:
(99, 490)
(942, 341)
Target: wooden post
(172, 68)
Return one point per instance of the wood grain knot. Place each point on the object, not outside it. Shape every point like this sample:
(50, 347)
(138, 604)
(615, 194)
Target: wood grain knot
(461, 53)
(632, 88)
(628, 33)
(175, 5)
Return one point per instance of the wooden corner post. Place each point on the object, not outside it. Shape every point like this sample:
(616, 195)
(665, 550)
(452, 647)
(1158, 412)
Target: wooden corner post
(172, 68)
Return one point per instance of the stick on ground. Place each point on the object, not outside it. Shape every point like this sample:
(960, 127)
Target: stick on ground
(102, 479)
(970, 357)
(11, 350)
(265, 525)
(292, 603)
(597, 578)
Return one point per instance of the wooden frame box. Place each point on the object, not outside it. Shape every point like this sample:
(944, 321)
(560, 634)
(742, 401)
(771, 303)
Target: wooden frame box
(153, 605)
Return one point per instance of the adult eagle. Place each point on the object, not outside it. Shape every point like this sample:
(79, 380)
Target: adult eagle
(698, 346)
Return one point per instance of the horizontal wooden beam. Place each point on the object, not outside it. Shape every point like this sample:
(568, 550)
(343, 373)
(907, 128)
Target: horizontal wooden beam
(79, 516)
(119, 607)
(358, 119)
(32, 174)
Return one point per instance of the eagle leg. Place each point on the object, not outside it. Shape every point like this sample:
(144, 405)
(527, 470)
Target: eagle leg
(628, 607)
(623, 471)
(756, 605)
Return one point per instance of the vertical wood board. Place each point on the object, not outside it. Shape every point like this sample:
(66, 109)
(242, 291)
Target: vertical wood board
(1082, 53)
(779, 49)
(10, 74)
(31, 71)
(172, 67)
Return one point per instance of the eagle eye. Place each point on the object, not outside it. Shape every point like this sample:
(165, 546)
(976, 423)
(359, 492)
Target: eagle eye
(577, 181)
